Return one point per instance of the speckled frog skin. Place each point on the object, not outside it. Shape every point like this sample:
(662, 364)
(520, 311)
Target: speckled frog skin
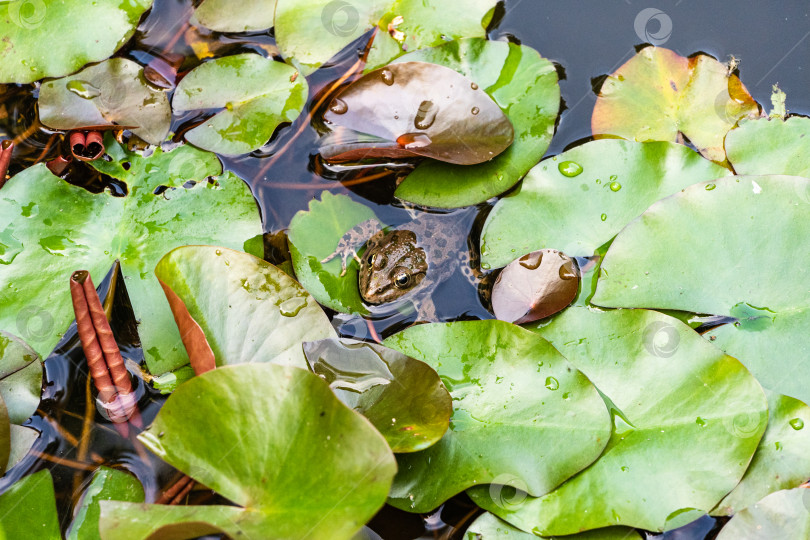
(407, 262)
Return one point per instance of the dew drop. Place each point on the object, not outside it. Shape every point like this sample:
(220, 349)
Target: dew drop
(567, 271)
(604, 217)
(387, 76)
(797, 423)
(531, 261)
(338, 106)
(475, 110)
(710, 187)
(700, 421)
(615, 186)
(552, 383)
(570, 168)
(426, 115)
(83, 89)
(413, 140)
(474, 86)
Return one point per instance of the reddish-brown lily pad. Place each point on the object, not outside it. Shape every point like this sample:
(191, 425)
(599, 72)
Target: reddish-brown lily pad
(535, 286)
(416, 109)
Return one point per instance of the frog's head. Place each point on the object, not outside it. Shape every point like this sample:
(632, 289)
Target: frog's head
(391, 267)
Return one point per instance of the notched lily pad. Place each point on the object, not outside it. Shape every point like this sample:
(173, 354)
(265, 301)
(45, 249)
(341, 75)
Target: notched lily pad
(267, 94)
(401, 396)
(418, 109)
(113, 92)
(771, 146)
(535, 286)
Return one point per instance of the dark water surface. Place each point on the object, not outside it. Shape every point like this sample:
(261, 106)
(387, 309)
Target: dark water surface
(588, 39)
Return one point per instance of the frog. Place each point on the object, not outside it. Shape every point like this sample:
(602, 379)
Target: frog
(406, 263)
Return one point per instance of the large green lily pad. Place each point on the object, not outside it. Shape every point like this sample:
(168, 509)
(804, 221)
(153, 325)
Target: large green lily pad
(489, 527)
(522, 416)
(782, 460)
(524, 85)
(288, 450)
(580, 199)
(267, 94)
(314, 235)
(686, 421)
(782, 515)
(51, 38)
(235, 15)
(310, 32)
(51, 228)
(402, 397)
(20, 378)
(113, 92)
(107, 484)
(771, 146)
(741, 260)
(249, 310)
(659, 95)
(28, 509)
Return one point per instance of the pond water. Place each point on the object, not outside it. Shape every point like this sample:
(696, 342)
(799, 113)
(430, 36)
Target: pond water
(587, 39)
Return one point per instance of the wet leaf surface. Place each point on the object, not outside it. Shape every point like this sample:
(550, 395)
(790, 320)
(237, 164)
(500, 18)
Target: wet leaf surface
(536, 286)
(222, 289)
(28, 509)
(779, 515)
(489, 527)
(268, 94)
(287, 420)
(20, 377)
(522, 416)
(742, 232)
(524, 85)
(658, 95)
(235, 15)
(580, 199)
(112, 92)
(22, 439)
(137, 229)
(771, 146)
(782, 459)
(419, 109)
(401, 396)
(686, 421)
(55, 37)
(107, 484)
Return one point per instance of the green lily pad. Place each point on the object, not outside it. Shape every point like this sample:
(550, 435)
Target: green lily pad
(314, 235)
(782, 460)
(401, 396)
(686, 421)
(28, 509)
(580, 199)
(771, 146)
(51, 38)
(20, 377)
(288, 450)
(268, 94)
(235, 15)
(489, 527)
(114, 92)
(132, 521)
(743, 229)
(782, 515)
(54, 228)
(522, 416)
(310, 32)
(659, 95)
(107, 484)
(249, 310)
(524, 85)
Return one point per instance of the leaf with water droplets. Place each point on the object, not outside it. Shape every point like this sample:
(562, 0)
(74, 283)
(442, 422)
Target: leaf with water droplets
(269, 93)
(512, 424)
(401, 396)
(110, 93)
(659, 95)
(535, 286)
(221, 289)
(417, 109)
(687, 419)
(782, 515)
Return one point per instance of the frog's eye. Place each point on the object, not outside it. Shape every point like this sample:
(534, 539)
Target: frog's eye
(370, 259)
(402, 280)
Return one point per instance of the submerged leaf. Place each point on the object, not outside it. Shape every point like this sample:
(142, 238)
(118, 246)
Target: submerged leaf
(401, 396)
(20, 377)
(743, 232)
(658, 95)
(535, 286)
(522, 416)
(422, 109)
(267, 94)
(782, 515)
(110, 93)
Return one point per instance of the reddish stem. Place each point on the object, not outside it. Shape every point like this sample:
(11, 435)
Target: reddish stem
(6, 149)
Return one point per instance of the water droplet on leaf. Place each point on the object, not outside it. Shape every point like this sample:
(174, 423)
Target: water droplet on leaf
(570, 168)
(338, 106)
